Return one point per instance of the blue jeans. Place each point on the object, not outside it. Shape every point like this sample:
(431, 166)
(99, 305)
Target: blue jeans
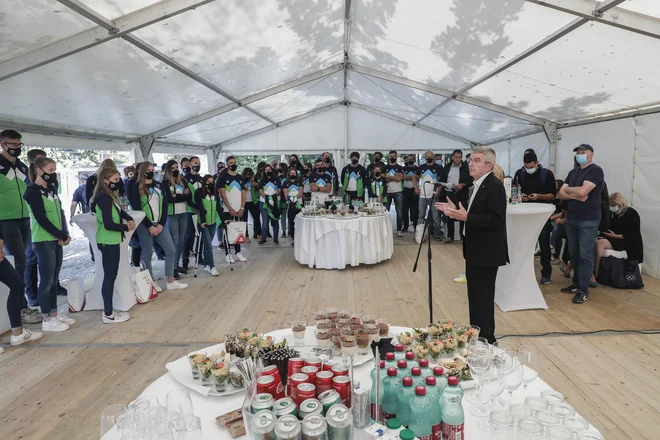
(12, 279)
(49, 256)
(178, 224)
(398, 205)
(164, 239)
(207, 240)
(582, 247)
(31, 279)
(17, 239)
(111, 255)
(284, 216)
(266, 220)
(220, 232)
(430, 204)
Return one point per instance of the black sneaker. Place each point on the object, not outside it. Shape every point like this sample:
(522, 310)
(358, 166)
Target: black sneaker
(580, 297)
(61, 290)
(176, 275)
(449, 240)
(276, 241)
(181, 270)
(570, 289)
(262, 241)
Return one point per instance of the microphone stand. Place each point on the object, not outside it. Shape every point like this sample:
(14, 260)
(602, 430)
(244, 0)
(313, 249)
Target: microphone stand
(427, 224)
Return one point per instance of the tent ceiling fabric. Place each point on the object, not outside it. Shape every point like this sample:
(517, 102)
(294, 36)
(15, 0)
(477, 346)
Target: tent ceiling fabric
(236, 49)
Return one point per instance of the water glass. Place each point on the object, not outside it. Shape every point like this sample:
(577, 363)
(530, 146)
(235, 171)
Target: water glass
(513, 377)
(109, 417)
(529, 429)
(529, 358)
(181, 397)
(520, 411)
(558, 432)
(575, 423)
(193, 430)
(589, 435)
(547, 418)
(479, 359)
(536, 403)
(175, 417)
(498, 421)
(562, 410)
(491, 387)
(553, 396)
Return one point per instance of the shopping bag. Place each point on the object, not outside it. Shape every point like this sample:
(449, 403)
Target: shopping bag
(620, 273)
(419, 233)
(143, 285)
(76, 295)
(236, 232)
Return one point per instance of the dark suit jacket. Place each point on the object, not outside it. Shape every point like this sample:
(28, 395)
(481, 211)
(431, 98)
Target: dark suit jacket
(485, 242)
(464, 178)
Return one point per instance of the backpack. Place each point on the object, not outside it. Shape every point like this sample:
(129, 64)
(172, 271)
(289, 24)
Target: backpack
(543, 171)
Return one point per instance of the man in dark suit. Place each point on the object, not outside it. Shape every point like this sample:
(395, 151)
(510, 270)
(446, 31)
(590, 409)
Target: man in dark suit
(485, 246)
(458, 187)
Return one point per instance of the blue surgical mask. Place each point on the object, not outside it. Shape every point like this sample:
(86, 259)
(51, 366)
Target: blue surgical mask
(438, 162)
(581, 159)
(615, 209)
(530, 170)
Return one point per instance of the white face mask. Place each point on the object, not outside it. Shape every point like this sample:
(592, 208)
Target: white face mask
(530, 170)
(615, 209)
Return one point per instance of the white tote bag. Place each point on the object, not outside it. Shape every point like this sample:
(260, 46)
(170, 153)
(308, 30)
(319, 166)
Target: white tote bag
(143, 285)
(236, 232)
(76, 294)
(419, 232)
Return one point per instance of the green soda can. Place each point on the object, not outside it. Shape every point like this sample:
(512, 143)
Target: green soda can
(310, 406)
(328, 399)
(288, 428)
(340, 423)
(314, 427)
(263, 425)
(285, 406)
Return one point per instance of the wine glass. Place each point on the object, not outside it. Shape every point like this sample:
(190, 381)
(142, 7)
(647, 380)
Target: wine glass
(479, 359)
(513, 377)
(529, 358)
(492, 387)
(109, 417)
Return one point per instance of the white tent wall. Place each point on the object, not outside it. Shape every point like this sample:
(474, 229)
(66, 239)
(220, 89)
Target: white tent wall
(36, 140)
(510, 153)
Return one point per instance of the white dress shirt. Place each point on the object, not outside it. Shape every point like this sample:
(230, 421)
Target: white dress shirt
(476, 186)
(454, 175)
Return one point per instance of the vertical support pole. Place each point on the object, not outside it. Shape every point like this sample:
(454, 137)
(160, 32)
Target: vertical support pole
(210, 159)
(146, 147)
(550, 130)
(345, 133)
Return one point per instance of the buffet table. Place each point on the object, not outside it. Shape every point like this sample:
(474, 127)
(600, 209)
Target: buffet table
(334, 243)
(516, 287)
(208, 408)
(124, 296)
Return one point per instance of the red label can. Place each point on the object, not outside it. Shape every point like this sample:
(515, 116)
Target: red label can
(328, 366)
(311, 372)
(294, 381)
(436, 432)
(342, 384)
(323, 381)
(295, 366)
(339, 370)
(267, 384)
(303, 392)
(453, 432)
(313, 361)
(272, 370)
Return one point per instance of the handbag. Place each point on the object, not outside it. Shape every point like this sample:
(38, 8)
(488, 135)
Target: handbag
(143, 285)
(236, 232)
(75, 292)
(620, 273)
(419, 233)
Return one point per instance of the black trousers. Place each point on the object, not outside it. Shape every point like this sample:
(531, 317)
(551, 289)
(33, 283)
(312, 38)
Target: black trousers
(253, 209)
(292, 213)
(111, 255)
(544, 244)
(452, 197)
(481, 298)
(189, 243)
(352, 194)
(410, 207)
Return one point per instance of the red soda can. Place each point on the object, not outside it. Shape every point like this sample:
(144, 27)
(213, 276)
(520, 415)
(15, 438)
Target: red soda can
(267, 384)
(294, 381)
(328, 366)
(311, 372)
(295, 366)
(339, 370)
(342, 384)
(323, 381)
(303, 392)
(272, 370)
(313, 361)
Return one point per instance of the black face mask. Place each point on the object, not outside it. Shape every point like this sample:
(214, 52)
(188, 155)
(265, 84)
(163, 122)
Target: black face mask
(378, 159)
(392, 159)
(186, 170)
(50, 178)
(269, 174)
(319, 170)
(326, 160)
(210, 187)
(196, 168)
(149, 175)
(293, 161)
(377, 174)
(14, 152)
(429, 160)
(116, 186)
(411, 163)
(355, 161)
(233, 167)
(293, 177)
(175, 173)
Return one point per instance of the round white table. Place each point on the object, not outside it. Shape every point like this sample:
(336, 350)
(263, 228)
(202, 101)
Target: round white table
(334, 243)
(516, 287)
(124, 297)
(208, 407)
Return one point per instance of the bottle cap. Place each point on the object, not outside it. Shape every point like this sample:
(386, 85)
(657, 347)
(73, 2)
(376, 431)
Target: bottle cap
(420, 391)
(391, 371)
(424, 363)
(393, 423)
(407, 381)
(402, 363)
(381, 364)
(389, 356)
(430, 380)
(399, 347)
(407, 434)
(438, 371)
(410, 356)
(453, 381)
(416, 371)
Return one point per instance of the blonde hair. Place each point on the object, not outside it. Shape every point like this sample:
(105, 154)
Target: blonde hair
(101, 187)
(619, 200)
(143, 187)
(499, 172)
(39, 162)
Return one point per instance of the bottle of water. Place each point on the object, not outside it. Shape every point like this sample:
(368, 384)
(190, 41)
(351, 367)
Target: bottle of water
(420, 422)
(383, 373)
(390, 390)
(418, 379)
(440, 378)
(426, 370)
(453, 417)
(403, 397)
(390, 361)
(399, 351)
(402, 368)
(376, 393)
(514, 195)
(435, 394)
(410, 358)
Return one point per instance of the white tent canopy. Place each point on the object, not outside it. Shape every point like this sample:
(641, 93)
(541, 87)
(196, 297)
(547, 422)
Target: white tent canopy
(253, 76)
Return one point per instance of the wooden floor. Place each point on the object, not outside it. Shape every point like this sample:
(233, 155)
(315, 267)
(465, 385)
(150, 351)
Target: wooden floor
(57, 389)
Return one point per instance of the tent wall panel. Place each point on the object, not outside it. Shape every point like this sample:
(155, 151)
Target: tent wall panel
(510, 153)
(35, 140)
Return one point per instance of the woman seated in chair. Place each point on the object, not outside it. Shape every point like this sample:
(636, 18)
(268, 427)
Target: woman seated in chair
(624, 234)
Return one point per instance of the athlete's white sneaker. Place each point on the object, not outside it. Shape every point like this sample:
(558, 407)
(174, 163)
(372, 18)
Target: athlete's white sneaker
(176, 286)
(52, 324)
(26, 336)
(229, 259)
(116, 317)
(207, 269)
(214, 272)
(65, 319)
(240, 257)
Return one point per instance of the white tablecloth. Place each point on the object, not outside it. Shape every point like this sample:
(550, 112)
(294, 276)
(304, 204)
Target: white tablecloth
(329, 243)
(208, 408)
(516, 287)
(124, 297)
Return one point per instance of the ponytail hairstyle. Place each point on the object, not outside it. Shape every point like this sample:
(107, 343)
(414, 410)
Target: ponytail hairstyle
(142, 170)
(168, 173)
(39, 162)
(102, 187)
(203, 188)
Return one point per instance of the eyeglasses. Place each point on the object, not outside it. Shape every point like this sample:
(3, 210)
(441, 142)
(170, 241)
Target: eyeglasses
(14, 145)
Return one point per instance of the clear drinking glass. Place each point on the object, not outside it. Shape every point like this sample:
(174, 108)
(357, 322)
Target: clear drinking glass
(520, 411)
(536, 403)
(479, 359)
(553, 396)
(586, 434)
(182, 398)
(558, 432)
(498, 421)
(575, 423)
(175, 417)
(109, 417)
(547, 418)
(529, 429)
(363, 341)
(562, 410)
(491, 387)
(513, 377)
(298, 330)
(193, 430)
(529, 358)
